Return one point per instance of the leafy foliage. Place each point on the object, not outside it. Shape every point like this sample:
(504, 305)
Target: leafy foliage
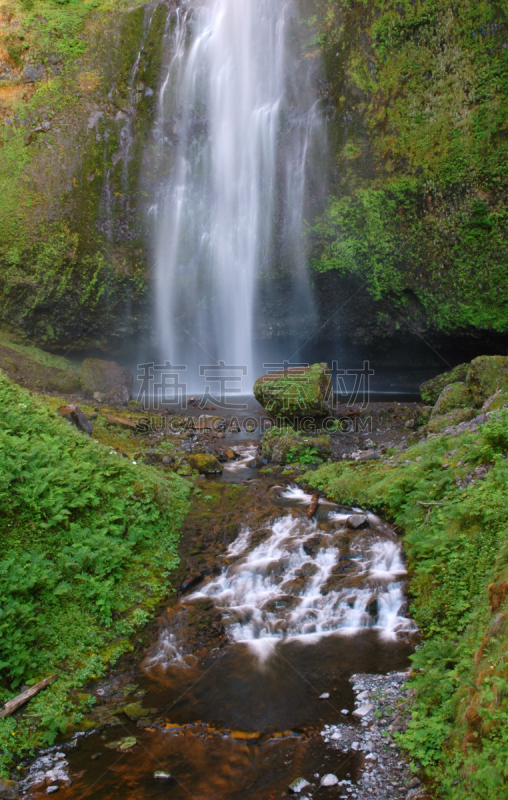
(450, 497)
(86, 538)
(419, 208)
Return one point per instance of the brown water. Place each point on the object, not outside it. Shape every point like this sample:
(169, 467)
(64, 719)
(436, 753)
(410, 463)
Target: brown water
(229, 724)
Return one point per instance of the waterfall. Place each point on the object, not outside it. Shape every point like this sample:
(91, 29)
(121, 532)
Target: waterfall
(237, 118)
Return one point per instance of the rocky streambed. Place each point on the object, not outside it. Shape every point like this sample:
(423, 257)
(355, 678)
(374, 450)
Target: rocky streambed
(279, 668)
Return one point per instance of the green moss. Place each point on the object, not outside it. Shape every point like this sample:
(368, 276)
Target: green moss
(204, 463)
(441, 421)
(299, 392)
(430, 390)
(486, 376)
(283, 446)
(65, 259)
(419, 210)
(454, 396)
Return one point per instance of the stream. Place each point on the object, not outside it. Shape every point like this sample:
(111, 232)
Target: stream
(312, 613)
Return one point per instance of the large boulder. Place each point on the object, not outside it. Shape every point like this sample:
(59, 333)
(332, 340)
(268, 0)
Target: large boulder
(486, 376)
(37, 376)
(295, 392)
(455, 395)
(108, 379)
(430, 390)
(289, 447)
(443, 421)
(205, 463)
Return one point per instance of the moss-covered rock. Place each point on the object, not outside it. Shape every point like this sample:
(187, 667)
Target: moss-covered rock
(430, 390)
(422, 415)
(36, 376)
(296, 392)
(497, 401)
(455, 395)
(108, 378)
(290, 447)
(204, 463)
(135, 711)
(443, 421)
(486, 376)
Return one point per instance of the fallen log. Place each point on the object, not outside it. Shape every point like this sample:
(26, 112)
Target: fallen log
(12, 706)
(313, 505)
(122, 422)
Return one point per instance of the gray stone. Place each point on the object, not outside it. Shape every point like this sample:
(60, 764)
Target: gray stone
(32, 74)
(161, 775)
(368, 455)
(363, 711)
(77, 417)
(329, 780)
(106, 377)
(357, 521)
(297, 785)
(9, 790)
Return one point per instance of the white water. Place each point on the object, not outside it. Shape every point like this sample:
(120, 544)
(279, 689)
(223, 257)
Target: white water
(237, 116)
(277, 589)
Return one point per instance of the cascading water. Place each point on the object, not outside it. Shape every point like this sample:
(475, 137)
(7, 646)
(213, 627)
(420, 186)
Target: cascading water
(237, 117)
(303, 579)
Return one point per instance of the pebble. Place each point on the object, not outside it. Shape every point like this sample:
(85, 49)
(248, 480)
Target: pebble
(297, 785)
(324, 696)
(385, 775)
(164, 776)
(329, 780)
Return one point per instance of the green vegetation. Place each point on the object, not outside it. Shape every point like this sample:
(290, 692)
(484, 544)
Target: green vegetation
(419, 93)
(449, 497)
(88, 541)
(296, 392)
(286, 446)
(69, 189)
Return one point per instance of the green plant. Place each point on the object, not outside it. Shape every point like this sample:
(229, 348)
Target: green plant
(456, 541)
(86, 538)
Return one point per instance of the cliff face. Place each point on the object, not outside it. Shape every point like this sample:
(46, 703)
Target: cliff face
(77, 98)
(414, 231)
(417, 95)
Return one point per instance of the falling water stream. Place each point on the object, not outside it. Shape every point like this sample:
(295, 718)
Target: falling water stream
(238, 119)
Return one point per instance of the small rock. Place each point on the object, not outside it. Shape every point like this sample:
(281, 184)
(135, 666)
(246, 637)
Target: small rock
(32, 74)
(414, 782)
(99, 397)
(76, 416)
(52, 789)
(135, 711)
(363, 711)
(297, 785)
(344, 711)
(161, 775)
(324, 696)
(357, 521)
(122, 744)
(167, 461)
(329, 780)
(368, 455)
(9, 790)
